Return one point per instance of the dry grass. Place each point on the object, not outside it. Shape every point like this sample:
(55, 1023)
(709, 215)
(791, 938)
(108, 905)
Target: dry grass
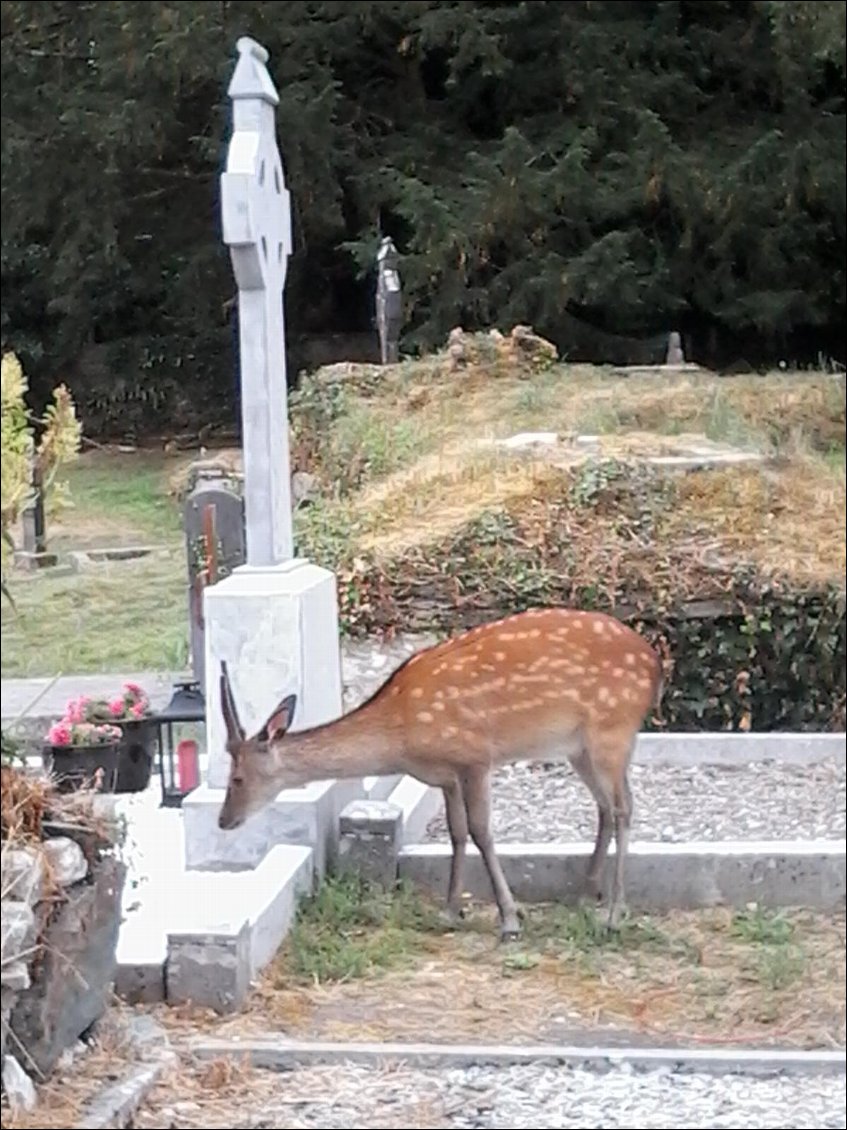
(421, 490)
(788, 520)
(63, 1098)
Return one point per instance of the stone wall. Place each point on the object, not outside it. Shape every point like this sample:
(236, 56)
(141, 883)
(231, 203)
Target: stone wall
(61, 914)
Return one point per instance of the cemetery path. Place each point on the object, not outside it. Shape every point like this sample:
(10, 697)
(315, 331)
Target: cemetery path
(529, 1095)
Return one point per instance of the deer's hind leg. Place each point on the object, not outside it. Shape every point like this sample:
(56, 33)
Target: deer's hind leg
(608, 755)
(604, 799)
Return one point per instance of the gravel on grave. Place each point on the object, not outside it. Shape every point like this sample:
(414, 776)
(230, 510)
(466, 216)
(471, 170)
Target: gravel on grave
(531, 1095)
(762, 800)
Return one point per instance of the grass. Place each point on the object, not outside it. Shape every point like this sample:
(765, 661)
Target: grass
(120, 615)
(347, 930)
(117, 499)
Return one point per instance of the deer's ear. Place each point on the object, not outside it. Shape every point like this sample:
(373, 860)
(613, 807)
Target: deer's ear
(280, 721)
(234, 729)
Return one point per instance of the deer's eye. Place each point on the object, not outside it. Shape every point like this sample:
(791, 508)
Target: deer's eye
(238, 782)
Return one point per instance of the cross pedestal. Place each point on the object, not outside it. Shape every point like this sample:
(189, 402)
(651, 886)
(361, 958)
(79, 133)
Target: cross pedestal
(277, 630)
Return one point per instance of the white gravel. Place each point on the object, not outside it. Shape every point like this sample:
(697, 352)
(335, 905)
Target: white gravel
(764, 800)
(519, 1097)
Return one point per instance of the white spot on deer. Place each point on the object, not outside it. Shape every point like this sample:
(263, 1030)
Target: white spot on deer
(437, 705)
(617, 672)
(599, 628)
(417, 692)
(629, 659)
(425, 716)
(499, 656)
(506, 635)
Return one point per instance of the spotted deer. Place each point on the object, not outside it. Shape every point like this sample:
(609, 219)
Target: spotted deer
(546, 685)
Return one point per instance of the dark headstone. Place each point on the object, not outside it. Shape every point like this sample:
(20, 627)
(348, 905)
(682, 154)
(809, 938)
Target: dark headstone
(214, 510)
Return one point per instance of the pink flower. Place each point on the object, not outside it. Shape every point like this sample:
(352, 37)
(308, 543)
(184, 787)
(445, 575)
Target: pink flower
(116, 707)
(134, 689)
(138, 709)
(59, 734)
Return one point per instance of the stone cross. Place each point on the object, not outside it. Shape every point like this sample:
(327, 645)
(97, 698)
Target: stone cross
(389, 302)
(256, 215)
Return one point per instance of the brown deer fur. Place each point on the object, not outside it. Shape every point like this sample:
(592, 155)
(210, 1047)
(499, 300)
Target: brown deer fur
(549, 684)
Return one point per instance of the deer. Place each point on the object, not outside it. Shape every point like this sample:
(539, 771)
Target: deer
(549, 684)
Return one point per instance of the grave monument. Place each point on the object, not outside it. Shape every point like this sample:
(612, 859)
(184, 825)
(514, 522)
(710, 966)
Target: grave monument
(274, 619)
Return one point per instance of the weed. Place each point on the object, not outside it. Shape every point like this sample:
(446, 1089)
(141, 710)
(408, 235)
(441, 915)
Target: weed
(759, 925)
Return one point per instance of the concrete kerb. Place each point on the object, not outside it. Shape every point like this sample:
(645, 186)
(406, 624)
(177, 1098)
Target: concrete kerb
(223, 928)
(660, 876)
(282, 1055)
(117, 1104)
(684, 748)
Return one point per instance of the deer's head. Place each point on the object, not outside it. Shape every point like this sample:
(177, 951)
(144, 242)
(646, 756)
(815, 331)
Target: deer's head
(254, 772)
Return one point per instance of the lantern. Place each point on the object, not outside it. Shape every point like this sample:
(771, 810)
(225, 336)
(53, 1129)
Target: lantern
(181, 731)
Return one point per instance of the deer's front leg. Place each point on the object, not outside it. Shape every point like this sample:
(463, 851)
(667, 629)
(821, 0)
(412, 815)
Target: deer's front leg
(477, 790)
(457, 824)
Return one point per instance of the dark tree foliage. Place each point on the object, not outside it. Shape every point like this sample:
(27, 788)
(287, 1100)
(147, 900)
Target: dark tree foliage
(637, 166)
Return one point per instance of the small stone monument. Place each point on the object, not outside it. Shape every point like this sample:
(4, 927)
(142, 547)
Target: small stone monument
(389, 302)
(274, 620)
(674, 355)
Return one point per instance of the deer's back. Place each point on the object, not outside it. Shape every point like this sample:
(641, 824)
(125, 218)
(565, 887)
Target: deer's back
(530, 685)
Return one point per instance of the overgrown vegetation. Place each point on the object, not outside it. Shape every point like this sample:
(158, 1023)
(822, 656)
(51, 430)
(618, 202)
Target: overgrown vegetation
(602, 171)
(736, 572)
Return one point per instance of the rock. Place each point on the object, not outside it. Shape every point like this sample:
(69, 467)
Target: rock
(304, 487)
(17, 923)
(19, 1088)
(65, 861)
(15, 976)
(72, 984)
(23, 874)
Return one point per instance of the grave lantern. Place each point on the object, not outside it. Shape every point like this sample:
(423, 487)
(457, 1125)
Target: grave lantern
(181, 732)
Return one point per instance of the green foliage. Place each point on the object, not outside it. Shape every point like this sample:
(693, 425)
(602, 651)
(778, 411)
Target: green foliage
(11, 750)
(636, 165)
(25, 456)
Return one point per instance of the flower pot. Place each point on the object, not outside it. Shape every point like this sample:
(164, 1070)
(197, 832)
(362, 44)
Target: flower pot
(75, 766)
(135, 755)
